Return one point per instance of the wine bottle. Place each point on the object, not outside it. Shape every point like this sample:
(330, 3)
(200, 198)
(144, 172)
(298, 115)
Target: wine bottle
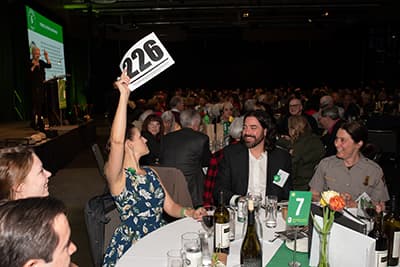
(221, 227)
(391, 226)
(381, 242)
(251, 250)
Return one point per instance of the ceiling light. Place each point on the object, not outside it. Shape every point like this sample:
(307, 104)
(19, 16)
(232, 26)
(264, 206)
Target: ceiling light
(245, 14)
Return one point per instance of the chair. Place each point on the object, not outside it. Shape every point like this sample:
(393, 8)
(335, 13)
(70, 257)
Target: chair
(387, 140)
(101, 218)
(175, 183)
(98, 155)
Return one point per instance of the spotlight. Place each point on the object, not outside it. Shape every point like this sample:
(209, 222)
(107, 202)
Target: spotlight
(245, 14)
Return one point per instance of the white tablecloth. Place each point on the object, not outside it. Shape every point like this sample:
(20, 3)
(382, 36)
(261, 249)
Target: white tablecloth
(151, 251)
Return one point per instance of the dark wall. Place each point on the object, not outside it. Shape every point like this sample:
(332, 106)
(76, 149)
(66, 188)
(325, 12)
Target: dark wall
(347, 57)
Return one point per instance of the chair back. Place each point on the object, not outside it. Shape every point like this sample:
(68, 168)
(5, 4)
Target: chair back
(101, 218)
(175, 183)
(99, 158)
(386, 140)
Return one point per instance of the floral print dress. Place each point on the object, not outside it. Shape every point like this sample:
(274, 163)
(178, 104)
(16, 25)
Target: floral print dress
(140, 206)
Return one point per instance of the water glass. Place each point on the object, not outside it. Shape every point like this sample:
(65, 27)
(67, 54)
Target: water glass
(232, 222)
(257, 199)
(191, 247)
(207, 247)
(271, 211)
(175, 258)
(242, 209)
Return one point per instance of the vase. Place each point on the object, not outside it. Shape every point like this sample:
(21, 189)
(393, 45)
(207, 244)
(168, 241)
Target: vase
(323, 249)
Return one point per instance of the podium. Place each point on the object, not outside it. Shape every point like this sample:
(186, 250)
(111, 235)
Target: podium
(53, 109)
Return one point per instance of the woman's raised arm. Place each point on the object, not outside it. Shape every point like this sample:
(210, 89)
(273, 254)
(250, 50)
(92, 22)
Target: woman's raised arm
(113, 168)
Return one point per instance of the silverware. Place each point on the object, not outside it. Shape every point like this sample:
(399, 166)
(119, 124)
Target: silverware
(275, 238)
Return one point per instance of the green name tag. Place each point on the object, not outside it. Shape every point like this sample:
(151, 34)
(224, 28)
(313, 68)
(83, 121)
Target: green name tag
(299, 208)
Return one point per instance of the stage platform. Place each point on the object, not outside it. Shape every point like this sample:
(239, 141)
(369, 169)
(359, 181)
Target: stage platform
(54, 152)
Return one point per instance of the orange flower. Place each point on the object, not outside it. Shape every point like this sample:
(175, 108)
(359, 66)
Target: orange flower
(336, 203)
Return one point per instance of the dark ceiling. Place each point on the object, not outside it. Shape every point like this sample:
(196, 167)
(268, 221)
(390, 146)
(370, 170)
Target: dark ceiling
(251, 19)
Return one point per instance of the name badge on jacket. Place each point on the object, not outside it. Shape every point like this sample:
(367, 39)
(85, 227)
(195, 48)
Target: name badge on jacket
(280, 178)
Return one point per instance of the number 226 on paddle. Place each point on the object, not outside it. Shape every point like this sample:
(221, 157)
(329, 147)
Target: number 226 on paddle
(144, 60)
(299, 208)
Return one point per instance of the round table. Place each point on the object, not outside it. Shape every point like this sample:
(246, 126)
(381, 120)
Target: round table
(151, 250)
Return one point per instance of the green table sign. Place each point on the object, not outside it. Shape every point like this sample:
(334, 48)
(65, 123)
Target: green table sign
(299, 208)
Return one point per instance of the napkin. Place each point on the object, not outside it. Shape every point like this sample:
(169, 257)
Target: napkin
(346, 247)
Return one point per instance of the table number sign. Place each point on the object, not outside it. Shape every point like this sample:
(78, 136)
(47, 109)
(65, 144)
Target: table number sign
(144, 60)
(299, 208)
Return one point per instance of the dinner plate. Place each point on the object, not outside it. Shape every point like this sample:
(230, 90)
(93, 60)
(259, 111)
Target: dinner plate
(301, 246)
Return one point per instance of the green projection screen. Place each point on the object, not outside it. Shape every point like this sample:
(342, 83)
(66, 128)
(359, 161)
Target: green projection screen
(47, 35)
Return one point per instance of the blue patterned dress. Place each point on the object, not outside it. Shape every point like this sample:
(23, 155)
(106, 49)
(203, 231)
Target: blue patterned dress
(140, 206)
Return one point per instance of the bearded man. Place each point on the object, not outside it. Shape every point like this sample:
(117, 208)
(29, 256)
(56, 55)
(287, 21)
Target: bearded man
(255, 165)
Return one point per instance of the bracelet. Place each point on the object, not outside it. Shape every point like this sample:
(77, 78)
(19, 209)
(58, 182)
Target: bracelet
(183, 212)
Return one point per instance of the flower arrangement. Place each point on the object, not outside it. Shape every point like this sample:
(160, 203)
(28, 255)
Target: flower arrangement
(331, 202)
(216, 261)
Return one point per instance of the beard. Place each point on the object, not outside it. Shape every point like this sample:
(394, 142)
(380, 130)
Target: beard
(252, 144)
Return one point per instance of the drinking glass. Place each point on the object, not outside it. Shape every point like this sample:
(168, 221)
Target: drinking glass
(207, 248)
(208, 219)
(191, 247)
(369, 211)
(232, 222)
(257, 198)
(271, 211)
(175, 258)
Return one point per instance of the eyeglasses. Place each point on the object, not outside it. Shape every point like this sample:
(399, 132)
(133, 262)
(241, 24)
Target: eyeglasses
(295, 105)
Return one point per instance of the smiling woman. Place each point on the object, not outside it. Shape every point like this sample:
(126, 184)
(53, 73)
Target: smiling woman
(349, 172)
(22, 174)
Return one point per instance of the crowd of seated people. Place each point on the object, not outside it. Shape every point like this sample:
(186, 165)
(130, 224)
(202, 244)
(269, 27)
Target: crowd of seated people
(317, 156)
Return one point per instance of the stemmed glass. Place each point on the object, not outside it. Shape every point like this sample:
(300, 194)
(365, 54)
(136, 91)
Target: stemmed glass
(369, 211)
(208, 219)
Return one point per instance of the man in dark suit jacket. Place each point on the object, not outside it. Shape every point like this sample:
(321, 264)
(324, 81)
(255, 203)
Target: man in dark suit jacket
(330, 120)
(254, 165)
(188, 150)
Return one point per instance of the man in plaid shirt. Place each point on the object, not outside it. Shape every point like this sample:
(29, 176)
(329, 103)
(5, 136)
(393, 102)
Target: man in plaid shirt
(235, 131)
(209, 181)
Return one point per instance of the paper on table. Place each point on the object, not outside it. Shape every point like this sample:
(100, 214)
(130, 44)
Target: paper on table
(346, 247)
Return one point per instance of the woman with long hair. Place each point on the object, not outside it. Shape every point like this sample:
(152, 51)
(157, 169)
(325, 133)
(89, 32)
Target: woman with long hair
(138, 192)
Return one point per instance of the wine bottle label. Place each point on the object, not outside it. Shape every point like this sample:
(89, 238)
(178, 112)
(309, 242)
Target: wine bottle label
(222, 235)
(252, 262)
(381, 258)
(396, 244)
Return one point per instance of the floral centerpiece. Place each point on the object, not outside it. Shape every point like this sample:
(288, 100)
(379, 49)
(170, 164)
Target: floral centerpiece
(331, 202)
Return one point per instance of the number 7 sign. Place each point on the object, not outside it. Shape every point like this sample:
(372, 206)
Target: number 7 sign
(299, 208)
(144, 60)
